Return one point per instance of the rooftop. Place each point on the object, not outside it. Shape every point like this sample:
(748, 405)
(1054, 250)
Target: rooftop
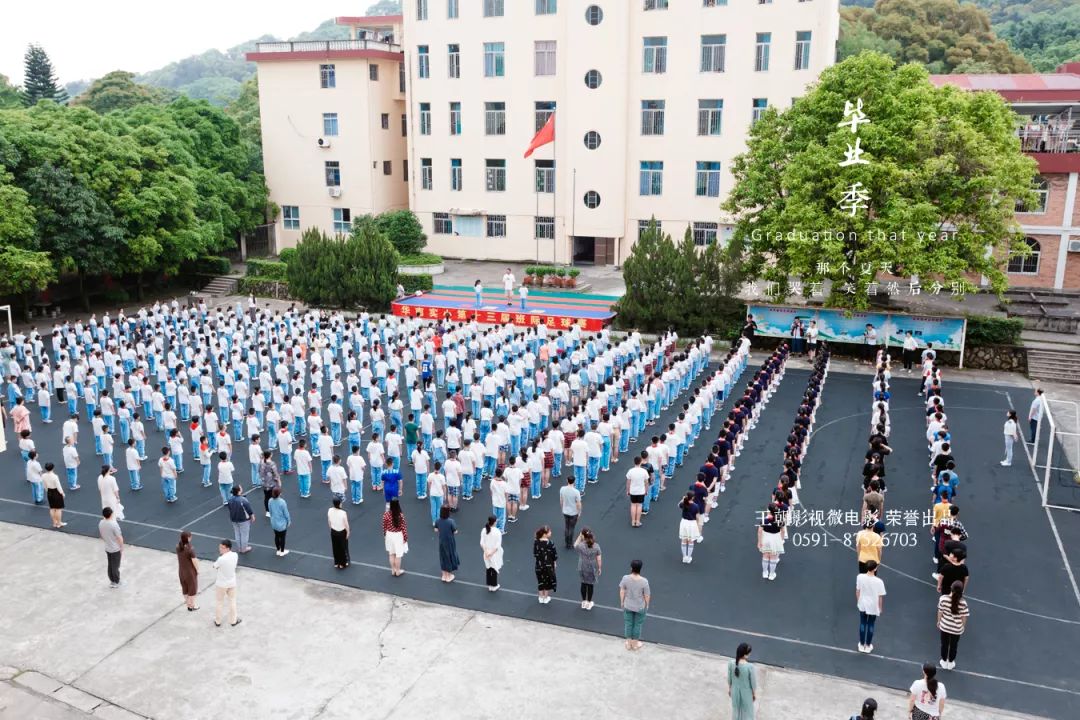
(371, 20)
(325, 49)
(1029, 87)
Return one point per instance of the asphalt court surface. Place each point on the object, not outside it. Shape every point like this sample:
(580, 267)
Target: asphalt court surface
(1023, 606)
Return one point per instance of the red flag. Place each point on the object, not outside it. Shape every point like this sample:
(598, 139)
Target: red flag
(544, 136)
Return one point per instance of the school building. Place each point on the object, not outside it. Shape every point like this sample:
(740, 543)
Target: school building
(1048, 106)
(433, 110)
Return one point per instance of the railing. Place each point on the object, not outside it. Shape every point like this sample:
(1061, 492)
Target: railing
(1056, 134)
(326, 46)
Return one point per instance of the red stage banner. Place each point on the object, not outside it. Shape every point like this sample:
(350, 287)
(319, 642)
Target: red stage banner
(518, 318)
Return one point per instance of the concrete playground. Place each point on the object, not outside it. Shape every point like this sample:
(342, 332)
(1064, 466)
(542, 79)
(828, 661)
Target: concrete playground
(71, 647)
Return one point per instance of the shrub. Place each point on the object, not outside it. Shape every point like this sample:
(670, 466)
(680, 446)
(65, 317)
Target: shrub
(286, 256)
(986, 330)
(403, 230)
(412, 283)
(261, 287)
(415, 259)
(269, 269)
(211, 265)
(358, 270)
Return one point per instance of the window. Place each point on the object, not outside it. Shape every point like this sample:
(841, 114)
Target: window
(592, 139)
(493, 8)
(592, 199)
(713, 51)
(388, 167)
(546, 7)
(442, 224)
(455, 118)
(290, 216)
(652, 177)
(452, 9)
(425, 118)
(327, 76)
(1029, 264)
(654, 55)
(421, 9)
(495, 173)
(714, 3)
(544, 227)
(426, 180)
(802, 50)
(707, 180)
(329, 124)
(594, 15)
(496, 226)
(401, 77)
(494, 59)
(544, 110)
(544, 57)
(404, 126)
(761, 52)
(333, 173)
(1041, 188)
(385, 120)
(545, 176)
(405, 170)
(652, 117)
(643, 226)
(705, 233)
(709, 116)
(593, 78)
(453, 60)
(656, 4)
(423, 62)
(494, 118)
(342, 220)
(373, 72)
(455, 174)
(760, 104)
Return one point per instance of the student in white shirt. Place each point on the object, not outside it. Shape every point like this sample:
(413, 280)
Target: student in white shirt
(356, 465)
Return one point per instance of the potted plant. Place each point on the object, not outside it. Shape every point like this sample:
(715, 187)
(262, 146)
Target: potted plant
(558, 277)
(529, 278)
(541, 275)
(571, 280)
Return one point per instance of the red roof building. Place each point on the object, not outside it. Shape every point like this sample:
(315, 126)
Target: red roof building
(1048, 125)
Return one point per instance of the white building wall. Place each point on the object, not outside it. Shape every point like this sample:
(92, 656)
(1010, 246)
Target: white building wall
(614, 47)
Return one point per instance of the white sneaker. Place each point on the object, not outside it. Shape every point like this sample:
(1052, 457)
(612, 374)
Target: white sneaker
(862, 648)
(584, 605)
(772, 576)
(705, 519)
(1005, 464)
(278, 553)
(765, 574)
(944, 664)
(869, 648)
(952, 664)
(700, 538)
(284, 553)
(539, 599)
(590, 605)
(267, 513)
(689, 560)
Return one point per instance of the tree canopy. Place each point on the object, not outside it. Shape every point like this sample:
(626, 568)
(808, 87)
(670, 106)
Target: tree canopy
(119, 91)
(939, 34)
(943, 177)
(136, 190)
(10, 97)
(359, 269)
(1047, 39)
(403, 229)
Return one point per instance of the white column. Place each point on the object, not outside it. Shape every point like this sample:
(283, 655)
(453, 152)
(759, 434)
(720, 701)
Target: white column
(1066, 231)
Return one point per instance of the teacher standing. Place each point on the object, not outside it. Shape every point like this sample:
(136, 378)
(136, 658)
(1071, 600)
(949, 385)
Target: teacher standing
(188, 566)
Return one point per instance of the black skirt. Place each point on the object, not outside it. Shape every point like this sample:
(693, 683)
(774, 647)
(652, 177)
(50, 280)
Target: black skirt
(55, 498)
(340, 544)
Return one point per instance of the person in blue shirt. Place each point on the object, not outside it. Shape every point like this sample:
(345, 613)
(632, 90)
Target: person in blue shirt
(949, 477)
(391, 482)
(279, 521)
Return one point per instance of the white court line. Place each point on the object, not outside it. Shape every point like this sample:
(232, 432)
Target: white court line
(1049, 515)
(610, 608)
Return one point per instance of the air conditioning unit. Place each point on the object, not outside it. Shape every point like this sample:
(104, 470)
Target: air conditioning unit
(1074, 246)
(334, 191)
(324, 142)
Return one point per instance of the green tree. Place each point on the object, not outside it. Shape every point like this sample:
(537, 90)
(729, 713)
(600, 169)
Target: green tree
(371, 267)
(1047, 39)
(245, 111)
(17, 224)
(403, 229)
(10, 97)
(23, 272)
(311, 269)
(39, 80)
(940, 34)
(119, 91)
(939, 159)
(652, 299)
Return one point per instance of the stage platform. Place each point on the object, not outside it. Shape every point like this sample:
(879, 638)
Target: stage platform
(559, 311)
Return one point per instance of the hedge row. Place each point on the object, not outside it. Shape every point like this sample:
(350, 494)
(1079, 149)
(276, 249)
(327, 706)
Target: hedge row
(209, 265)
(419, 259)
(983, 330)
(279, 289)
(268, 269)
(412, 283)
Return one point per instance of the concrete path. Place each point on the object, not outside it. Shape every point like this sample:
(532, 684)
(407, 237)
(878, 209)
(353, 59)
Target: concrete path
(71, 648)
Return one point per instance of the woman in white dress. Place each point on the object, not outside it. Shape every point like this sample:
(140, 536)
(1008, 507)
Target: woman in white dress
(770, 543)
(491, 544)
(1012, 434)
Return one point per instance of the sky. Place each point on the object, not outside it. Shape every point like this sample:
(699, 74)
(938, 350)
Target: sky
(87, 38)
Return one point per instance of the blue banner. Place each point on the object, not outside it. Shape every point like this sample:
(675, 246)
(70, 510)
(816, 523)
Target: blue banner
(945, 333)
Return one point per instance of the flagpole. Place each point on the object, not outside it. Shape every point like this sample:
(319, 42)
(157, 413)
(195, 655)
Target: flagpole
(555, 186)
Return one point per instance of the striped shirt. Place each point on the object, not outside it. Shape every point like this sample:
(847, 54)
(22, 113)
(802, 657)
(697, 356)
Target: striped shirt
(950, 622)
